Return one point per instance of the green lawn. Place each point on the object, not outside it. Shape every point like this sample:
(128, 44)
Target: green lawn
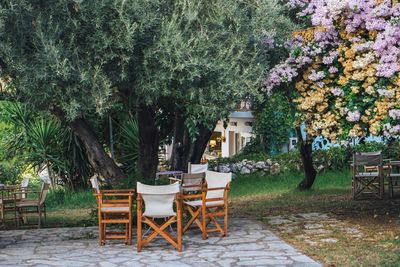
(285, 183)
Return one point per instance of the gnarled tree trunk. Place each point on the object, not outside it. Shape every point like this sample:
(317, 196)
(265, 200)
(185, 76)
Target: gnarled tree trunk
(101, 162)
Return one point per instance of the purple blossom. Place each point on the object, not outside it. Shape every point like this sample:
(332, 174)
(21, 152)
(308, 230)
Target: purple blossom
(394, 113)
(267, 40)
(353, 116)
(337, 91)
(315, 76)
(333, 69)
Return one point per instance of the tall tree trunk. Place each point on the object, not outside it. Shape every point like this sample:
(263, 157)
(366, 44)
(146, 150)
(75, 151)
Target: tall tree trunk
(305, 149)
(306, 158)
(186, 150)
(178, 146)
(200, 144)
(101, 162)
(149, 142)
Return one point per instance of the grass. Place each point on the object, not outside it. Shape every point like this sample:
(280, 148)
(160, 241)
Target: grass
(261, 196)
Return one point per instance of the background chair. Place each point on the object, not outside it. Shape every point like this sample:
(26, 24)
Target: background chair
(7, 204)
(192, 183)
(213, 204)
(197, 168)
(24, 186)
(367, 183)
(24, 206)
(114, 207)
(394, 177)
(158, 201)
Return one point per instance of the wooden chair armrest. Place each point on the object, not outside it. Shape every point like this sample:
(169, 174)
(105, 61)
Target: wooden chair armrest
(215, 188)
(116, 194)
(118, 191)
(174, 179)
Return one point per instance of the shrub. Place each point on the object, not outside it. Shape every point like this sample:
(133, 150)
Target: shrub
(10, 172)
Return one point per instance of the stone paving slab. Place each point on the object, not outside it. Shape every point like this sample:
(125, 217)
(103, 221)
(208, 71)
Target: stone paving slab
(249, 243)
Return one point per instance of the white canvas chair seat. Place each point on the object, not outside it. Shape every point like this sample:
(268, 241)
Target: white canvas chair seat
(213, 203)
(159, 203)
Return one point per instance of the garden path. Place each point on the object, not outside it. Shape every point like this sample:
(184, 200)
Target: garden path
(249, 243)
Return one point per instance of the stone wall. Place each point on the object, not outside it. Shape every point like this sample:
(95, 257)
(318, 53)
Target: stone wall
(247, 166)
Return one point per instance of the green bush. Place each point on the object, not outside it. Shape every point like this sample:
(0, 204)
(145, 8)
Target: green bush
(10, 172)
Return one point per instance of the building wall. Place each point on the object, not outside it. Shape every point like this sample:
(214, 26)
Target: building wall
(236, 128)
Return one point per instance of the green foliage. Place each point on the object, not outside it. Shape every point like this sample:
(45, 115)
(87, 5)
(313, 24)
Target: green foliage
(90, 57)
(272, 124)
(39, 139)
(9, 172)
(44, 144)
(129, 145)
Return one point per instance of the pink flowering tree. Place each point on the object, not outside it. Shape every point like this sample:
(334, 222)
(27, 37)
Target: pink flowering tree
(342, 73)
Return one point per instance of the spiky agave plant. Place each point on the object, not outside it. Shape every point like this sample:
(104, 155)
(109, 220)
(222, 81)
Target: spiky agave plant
(129, 145)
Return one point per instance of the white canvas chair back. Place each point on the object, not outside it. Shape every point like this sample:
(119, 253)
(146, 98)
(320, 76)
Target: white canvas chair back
(43, 193)
(95, 184)
(158, 199)
(24, 187)
(197, 168)
(215, 180)
(25, 182)
(192, 181)
(44, 175)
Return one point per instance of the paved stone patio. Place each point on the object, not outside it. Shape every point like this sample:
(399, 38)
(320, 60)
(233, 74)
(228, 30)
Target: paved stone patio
(248, 244)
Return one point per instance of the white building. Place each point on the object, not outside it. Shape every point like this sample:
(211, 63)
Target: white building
(230, 140)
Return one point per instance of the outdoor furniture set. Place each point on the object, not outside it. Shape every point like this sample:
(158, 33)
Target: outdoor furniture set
(369, 170)
(19, 201)
(203, 196)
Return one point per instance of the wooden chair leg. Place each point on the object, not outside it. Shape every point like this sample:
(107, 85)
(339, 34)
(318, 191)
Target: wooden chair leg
(40, 217)
(44, 211)
(139, 232)
(225, 221)
(179, 226)
(203, 222)
(104, 233)
(130, 234)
